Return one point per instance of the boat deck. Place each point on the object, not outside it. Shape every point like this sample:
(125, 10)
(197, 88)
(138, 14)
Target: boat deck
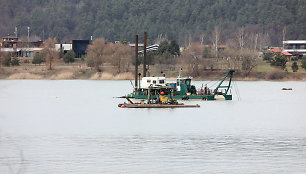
(157, 106)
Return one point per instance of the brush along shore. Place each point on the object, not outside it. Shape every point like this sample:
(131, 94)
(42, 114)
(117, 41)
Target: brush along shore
(79, 70)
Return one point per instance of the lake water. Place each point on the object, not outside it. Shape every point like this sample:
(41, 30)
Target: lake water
(75, 127)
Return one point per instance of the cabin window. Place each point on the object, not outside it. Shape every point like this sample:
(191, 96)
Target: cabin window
(182, 81)
(154, 81)
(187, 82)
(161, 81)
(148, 81)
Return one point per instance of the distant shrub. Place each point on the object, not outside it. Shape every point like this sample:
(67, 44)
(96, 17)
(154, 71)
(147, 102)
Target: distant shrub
(25, 61)
(267, 57)
(90, 63)
(304, 62)
(297, 76)
(38, 59)
(279, 60)
(69, 56)
(260, 75)
(276, 75)
(207, 53)
(15, 61)
(295, 67)
(6, 60)
(294, 58)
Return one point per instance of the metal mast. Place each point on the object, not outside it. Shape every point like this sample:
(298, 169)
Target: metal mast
(136, 61)
(144, 54)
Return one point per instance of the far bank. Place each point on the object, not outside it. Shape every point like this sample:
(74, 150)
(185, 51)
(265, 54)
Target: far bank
(79, 70)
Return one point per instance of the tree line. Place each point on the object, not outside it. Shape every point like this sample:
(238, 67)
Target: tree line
(196, 58)
(183, 20)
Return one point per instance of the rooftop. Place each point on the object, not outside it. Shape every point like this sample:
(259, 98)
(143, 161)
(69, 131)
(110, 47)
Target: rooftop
(294, 42)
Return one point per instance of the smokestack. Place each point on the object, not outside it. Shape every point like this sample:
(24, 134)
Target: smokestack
(136, 62)
(144, 54)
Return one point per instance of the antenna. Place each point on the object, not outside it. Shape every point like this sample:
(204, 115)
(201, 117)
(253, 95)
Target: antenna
(43, 34)
(180, 70)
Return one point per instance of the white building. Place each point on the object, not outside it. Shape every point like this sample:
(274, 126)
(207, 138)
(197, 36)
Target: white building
(65, 47)
(295, 47)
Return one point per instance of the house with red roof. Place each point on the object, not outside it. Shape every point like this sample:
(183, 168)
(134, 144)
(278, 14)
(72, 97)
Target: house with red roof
(276, 50)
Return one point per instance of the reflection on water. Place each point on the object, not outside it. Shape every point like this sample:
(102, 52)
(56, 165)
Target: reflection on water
(162, 154)
(75, 127)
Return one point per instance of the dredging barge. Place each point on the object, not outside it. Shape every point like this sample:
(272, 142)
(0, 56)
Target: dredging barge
(182, 89)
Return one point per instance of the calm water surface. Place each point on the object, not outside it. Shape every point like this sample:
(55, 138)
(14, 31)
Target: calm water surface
(75, 127)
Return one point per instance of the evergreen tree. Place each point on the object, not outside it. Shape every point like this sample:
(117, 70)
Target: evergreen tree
(79, 19)
(267, 57)
(304, 62)
(279, 60)
(15, 61)
(69, 57)
(295, 67)
(174, 48)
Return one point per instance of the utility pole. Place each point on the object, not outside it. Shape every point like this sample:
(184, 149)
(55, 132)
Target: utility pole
(144, 54)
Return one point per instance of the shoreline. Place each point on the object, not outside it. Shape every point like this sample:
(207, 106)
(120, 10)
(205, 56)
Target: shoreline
(128, 76)
(79, 71)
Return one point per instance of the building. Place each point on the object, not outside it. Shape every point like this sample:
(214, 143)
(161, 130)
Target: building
(275, 50)
(64, 47)
(18, 48)
(79, 47)
(295, 47)
(149, 48)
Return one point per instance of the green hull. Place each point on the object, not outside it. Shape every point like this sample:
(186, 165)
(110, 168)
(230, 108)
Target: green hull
(185, 97)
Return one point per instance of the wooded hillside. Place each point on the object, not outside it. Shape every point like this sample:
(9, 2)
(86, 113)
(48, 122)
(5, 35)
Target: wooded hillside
(182, 20)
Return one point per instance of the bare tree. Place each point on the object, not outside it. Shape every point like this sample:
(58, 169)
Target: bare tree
(256, 41)
(284, 33)
(241, 37)
(49, 52)
(192, 58)
(189, 39)
(249, 60)
(263, 40)
(97, 54)
(202, 38)
(160, 38)
(121, 57)
(216, 39)
(251, 40)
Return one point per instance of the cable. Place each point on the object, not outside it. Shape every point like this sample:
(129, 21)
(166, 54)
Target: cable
(237, 91)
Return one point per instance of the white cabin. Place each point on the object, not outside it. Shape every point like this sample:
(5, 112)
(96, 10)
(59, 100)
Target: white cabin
(154, 81)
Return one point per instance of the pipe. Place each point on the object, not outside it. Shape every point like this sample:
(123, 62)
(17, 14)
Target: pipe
(136, 62)
(144, 54)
